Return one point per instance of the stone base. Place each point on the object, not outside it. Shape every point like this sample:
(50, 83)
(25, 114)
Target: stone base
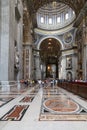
(63, 117)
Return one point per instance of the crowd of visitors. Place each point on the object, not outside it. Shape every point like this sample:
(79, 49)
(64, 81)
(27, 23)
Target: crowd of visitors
(46, 82)
(28, 82)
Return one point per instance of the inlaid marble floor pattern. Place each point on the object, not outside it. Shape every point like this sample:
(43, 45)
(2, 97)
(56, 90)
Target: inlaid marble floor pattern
(26, 108)
(56, 105)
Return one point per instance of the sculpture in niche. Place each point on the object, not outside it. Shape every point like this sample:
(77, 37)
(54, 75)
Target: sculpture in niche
(69, 76)
(68, 62)
(16, 65)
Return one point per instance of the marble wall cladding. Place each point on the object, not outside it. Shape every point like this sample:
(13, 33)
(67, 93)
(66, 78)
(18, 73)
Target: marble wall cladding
(85, 63)
(38, 69)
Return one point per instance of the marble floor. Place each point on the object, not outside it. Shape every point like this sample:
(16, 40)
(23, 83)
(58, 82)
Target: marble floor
(34, 108)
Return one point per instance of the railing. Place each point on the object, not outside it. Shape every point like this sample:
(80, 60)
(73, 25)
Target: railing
(78, 88)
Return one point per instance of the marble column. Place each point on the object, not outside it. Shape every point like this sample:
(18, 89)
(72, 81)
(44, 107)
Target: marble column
(30, 62)
(4, 53)
(0, 31)
(26, 61)
(74, 66)
(85, 63)
(20, 48)
(7, 39)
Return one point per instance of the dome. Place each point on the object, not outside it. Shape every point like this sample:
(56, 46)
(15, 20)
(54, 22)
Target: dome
(54, 15)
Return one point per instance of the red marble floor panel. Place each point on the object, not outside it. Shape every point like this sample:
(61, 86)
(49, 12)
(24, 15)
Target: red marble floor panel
(15, 114)
(27, 99)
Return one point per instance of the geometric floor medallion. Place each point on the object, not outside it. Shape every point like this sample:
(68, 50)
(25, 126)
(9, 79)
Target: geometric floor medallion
(15, 114)
(62, 108)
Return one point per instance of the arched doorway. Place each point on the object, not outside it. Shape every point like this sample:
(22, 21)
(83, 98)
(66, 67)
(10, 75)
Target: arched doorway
(49, 56)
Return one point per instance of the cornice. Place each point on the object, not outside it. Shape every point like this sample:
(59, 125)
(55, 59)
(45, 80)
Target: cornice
(56, 32)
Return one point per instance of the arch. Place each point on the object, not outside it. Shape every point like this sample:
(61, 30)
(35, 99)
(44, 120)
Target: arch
(49, 54)
(40, 41)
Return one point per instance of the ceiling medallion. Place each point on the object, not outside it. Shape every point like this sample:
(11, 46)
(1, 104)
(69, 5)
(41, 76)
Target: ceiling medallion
(67, 38)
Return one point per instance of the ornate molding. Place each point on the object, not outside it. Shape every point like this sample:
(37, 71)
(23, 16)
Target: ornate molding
(57, 32)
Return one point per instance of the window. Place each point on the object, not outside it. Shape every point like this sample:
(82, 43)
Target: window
(50, 20)
(58, 19)
(66, 16)
(73, 12)
(42, 19)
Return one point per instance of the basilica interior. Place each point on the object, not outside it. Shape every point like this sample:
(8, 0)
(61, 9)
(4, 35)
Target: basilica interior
(43, 66)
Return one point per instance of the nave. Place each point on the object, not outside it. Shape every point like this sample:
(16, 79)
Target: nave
(35, 108)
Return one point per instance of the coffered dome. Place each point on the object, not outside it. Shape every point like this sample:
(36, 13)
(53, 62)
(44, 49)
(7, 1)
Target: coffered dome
(54, 15)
